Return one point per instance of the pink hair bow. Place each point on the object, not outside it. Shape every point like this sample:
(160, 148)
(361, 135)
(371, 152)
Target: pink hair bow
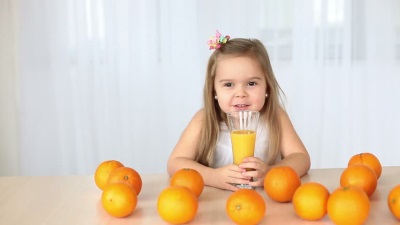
(216, 41)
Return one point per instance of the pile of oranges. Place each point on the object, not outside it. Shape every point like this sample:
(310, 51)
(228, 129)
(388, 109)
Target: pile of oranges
(120, 185)
(186, 185)
(347, 204)
(350, 203)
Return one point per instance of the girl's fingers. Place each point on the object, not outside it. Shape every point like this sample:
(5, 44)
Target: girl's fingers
(230, 187)
(236, 168)
(253, 173)
(257, 183)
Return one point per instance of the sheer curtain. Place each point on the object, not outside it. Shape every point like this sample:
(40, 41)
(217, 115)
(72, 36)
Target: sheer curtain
(96, 80)
(343, 81)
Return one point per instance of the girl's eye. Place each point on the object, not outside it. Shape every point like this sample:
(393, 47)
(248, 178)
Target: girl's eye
(228, 85)
(252, 83)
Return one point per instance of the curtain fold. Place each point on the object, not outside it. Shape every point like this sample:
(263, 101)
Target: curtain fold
(9, 155)
(97, 80)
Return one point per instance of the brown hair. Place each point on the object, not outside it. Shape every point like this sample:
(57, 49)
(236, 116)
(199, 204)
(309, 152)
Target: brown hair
(214, 115)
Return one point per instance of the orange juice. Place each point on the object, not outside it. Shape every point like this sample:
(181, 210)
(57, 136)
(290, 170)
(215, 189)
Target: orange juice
(243, 142)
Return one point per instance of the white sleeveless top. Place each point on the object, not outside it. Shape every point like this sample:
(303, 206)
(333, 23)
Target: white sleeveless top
(223, 152)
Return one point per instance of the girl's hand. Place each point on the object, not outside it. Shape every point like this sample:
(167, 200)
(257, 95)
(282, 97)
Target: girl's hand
(258, 170)
(228, 175)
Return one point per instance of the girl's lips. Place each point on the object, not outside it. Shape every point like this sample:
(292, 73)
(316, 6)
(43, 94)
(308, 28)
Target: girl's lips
(241, 106)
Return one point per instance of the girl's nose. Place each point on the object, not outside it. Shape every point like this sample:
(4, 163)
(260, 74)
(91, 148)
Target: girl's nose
(240, 93)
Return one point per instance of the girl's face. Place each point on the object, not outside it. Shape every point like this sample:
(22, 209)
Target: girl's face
(239, 84)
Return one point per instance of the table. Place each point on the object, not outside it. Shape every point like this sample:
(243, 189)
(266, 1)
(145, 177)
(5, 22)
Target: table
(76, 200)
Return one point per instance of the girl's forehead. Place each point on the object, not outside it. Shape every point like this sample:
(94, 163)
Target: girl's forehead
(240, 63)
(236, 58)
(222, 57)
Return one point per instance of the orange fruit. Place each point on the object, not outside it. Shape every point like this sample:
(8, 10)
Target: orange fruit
(177, 205)
(119, 199)
(281, 182)
(348, 206)
(361, 176)
(393, 201)
(245, 206)
(128, 175)
(368, 159)
(309, 201)
(103, 171)
(190, 179)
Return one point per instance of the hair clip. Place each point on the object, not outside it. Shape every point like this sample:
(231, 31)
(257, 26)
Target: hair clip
(216, 41)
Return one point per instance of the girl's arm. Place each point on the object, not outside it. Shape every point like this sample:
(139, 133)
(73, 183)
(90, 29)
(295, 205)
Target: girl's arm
(292, 148)
(183, 155)
(184, 152)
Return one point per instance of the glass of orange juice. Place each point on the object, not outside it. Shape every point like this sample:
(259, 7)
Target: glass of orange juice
(243, 128)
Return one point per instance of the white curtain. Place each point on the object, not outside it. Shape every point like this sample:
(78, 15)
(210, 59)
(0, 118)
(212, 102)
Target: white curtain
(84, 81)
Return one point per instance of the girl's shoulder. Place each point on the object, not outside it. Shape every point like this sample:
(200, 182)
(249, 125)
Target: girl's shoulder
(280, 110)
(280, 114)
(199, 115)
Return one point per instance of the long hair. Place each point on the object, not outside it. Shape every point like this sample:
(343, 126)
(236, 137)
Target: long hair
(214, 115)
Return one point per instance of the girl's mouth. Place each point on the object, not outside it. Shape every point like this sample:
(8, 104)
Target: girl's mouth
(241, 106)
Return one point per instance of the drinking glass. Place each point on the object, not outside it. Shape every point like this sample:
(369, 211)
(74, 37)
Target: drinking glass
(243, 128)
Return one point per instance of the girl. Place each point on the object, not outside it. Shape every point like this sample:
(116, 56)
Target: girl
(239, 77)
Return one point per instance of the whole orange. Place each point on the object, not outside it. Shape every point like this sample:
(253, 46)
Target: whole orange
(368, 159)
(281, 182)
(128, 175)
(348, 206)
(103, 170)
(393, 201)
(245, 206)
(189, 178)
(119, 199)
(177, 205)
(309, 201)
(361, 176)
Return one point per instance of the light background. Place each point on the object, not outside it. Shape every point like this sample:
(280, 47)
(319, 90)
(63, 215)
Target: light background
(83, 81)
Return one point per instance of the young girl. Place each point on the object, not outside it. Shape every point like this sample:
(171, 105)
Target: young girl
(239, 77)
